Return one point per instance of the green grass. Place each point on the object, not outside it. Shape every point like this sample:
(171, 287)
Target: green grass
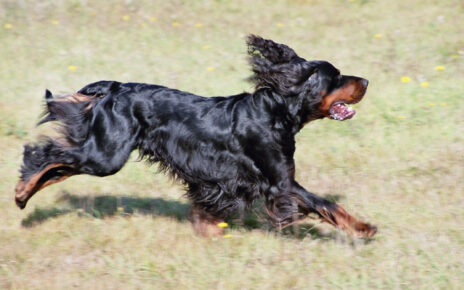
(397, 164)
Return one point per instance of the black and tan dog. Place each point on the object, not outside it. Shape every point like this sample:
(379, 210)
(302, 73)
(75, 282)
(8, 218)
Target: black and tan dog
(229, 151)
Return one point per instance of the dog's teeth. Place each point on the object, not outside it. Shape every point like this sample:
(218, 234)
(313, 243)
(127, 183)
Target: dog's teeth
(341, 111)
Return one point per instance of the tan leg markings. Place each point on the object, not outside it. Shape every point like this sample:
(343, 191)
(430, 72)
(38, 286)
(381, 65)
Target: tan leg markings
(26, 189)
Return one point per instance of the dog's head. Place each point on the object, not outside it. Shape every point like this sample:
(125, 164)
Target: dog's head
(317, 86)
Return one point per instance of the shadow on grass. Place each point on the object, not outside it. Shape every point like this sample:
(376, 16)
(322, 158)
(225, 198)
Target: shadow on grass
(107, 206)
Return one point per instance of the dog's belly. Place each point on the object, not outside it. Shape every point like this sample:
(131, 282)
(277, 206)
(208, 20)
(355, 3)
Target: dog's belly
(213, 162)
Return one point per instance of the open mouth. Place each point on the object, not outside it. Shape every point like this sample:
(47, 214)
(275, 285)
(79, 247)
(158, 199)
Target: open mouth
(341, 111)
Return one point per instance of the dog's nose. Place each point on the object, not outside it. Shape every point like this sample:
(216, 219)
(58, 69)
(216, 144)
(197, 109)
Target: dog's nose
(365, 83)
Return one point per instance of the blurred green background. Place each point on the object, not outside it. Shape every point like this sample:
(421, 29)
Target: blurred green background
(398, 164)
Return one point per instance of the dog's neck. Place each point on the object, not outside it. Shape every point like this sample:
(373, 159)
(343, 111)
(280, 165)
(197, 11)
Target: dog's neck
(294, 111)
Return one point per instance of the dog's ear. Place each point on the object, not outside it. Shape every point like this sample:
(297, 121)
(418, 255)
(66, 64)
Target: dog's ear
(277, 66)
(286, 79)
(274, 52)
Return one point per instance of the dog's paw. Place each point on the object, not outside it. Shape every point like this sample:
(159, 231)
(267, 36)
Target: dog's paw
(365, 230)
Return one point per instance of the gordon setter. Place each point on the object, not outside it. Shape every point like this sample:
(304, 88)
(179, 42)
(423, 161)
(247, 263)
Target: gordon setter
(228, 151)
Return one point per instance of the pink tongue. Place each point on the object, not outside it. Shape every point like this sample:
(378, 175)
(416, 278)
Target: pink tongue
(341, 112)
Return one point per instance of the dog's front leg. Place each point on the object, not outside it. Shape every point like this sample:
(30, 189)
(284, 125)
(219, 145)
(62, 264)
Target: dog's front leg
(331, 212)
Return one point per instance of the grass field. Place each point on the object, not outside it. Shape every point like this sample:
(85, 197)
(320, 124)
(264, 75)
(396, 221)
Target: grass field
(398, 164)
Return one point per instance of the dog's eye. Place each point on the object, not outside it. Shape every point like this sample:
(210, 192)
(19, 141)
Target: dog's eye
(335, 83)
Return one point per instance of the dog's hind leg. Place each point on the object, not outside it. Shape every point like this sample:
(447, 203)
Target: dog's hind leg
(207, 214)
(52, 162)
(330, 212)
(49, 163)
(43, 164)
(206, 224)
(97, 144)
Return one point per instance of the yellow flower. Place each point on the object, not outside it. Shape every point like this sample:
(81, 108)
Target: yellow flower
(378, 35)
(280, 24)
(442, 104)
(8, 26)
(210, 68)
(120, 208)
(55, 22)
(227, 236)
(126, 17)
(405, 79)
(175, 24)
(440, 67)
(424, 84)
(143, 25)
(455, 56)
(401, 117)
(223, 225)
(153, 19)
(351, 1)
(206, 47)
(72, 67)
(431, 104)
(198, 25)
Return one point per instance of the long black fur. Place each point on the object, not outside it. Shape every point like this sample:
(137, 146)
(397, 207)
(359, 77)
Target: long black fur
(228, 151)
